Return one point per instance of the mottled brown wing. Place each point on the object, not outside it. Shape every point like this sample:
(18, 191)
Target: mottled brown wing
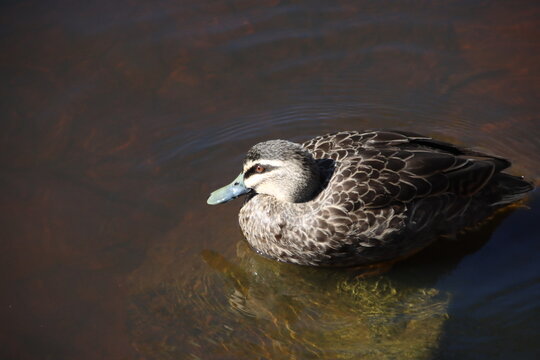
(342, 144)
(377, 168)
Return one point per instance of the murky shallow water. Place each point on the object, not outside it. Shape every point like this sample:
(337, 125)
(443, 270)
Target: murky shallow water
(118, 119)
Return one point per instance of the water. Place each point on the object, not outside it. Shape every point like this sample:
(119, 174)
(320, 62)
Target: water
(119, 118)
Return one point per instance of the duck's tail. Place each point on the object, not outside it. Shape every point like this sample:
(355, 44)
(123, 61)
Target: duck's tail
(509, 189)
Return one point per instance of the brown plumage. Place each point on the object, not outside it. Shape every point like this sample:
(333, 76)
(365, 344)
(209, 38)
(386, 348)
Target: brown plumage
(366, 197)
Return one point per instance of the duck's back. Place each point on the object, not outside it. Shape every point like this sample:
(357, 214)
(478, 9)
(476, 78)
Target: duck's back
(393, 166)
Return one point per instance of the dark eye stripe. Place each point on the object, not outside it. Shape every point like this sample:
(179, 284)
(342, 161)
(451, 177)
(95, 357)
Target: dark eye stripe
(252, 170)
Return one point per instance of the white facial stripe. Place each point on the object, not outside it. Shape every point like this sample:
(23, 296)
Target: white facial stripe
(263, 162)
(254, 179)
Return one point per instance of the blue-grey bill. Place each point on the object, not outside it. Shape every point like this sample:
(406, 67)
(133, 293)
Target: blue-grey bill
(229, 192)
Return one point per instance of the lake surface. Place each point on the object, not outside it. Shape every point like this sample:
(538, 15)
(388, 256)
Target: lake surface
(119, 118)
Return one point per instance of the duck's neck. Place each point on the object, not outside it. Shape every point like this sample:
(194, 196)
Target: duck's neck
(306, 184)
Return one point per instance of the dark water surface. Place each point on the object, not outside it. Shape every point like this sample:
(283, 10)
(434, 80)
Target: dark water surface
(119, 117)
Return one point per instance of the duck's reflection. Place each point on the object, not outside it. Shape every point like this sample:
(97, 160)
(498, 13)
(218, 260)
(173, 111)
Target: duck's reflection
(240, 305)
(323, 313)
(308, 312)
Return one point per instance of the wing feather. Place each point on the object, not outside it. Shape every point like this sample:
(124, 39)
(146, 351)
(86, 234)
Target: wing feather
(385, 167)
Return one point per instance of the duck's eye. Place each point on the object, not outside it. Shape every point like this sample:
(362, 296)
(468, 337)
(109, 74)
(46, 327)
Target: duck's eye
(259, 169)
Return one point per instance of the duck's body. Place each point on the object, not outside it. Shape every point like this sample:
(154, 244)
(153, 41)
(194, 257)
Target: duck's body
(355, 198)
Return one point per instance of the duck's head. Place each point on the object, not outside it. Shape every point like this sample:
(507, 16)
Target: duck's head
(278, 168)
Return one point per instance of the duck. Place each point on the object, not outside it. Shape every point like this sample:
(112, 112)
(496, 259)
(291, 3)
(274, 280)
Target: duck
(355, 198)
